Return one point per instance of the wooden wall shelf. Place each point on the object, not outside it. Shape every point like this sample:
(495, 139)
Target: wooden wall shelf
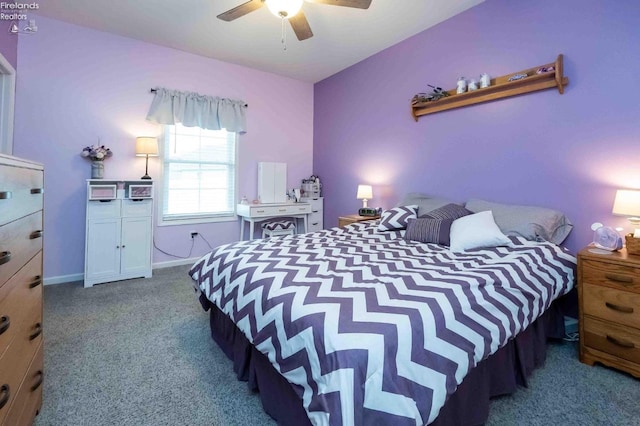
(500, 88)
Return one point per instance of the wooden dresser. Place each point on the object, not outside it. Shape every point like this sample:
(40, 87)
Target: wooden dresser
(609, 295)
(21, 366)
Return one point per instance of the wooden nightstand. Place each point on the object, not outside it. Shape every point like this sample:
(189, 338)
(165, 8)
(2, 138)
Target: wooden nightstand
(609, 297)
(353, 218)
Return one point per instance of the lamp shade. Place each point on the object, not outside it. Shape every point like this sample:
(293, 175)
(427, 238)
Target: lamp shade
(365, 192)
(627, 203)
(284, 8)
(146, 145)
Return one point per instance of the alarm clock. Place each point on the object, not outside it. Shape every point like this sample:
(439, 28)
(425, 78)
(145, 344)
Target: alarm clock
(369, 211)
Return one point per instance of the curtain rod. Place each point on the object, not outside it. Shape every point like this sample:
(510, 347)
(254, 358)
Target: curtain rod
(154, 91)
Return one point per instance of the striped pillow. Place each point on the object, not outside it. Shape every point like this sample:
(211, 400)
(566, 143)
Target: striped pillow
(450, 211)
(426, 230)
(397, 218)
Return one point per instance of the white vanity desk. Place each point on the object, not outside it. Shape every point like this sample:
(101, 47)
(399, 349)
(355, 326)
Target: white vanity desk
(253, 213)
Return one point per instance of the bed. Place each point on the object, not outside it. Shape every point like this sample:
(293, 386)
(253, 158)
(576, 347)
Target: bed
(360, 326)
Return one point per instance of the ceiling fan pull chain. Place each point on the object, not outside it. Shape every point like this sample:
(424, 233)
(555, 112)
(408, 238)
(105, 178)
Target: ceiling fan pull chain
(283, 40)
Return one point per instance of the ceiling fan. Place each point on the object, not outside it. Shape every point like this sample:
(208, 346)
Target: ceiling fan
(289, 10)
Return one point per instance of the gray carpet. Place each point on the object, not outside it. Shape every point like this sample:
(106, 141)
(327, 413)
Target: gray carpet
(138, 352)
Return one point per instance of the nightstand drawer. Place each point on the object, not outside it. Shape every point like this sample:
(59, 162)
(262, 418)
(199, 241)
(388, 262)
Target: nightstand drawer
(611, 274)
(611, 304)
(617, 340)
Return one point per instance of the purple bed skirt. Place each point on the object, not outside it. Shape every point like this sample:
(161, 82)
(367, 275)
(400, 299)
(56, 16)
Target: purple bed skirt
(500, 374)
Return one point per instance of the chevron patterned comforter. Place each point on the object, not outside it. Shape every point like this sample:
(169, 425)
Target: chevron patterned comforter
(373, 329)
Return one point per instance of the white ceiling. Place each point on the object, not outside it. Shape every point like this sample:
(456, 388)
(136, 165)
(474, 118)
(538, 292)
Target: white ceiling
(342, 36)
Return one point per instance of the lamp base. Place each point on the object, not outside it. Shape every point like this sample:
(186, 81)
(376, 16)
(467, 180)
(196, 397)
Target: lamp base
(146, 177)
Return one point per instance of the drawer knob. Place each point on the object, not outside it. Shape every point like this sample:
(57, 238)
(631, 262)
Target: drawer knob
(621, 342)
(37, 332)
(5, 195)
(40, 375)
(5, 257)
(35, 234)
(619, 278)
(37, 280)
(5, 395)
(36, 190)
(5, 322)
(625, 309)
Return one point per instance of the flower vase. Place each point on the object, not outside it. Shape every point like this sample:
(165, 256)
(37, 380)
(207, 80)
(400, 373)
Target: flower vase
(97, 169)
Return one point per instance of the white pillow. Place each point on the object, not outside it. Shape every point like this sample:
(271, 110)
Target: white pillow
(475, 231)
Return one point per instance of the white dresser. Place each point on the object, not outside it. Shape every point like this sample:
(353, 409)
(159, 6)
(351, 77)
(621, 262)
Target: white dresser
(316, 217)
(119, 236)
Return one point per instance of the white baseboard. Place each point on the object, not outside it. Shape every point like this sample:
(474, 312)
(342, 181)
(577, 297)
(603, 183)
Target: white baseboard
(61, 279)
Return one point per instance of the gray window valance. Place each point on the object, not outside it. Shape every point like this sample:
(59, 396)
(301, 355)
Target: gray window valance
(192, 109)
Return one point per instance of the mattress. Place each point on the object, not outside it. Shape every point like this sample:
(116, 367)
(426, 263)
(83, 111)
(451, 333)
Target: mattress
(370, 328)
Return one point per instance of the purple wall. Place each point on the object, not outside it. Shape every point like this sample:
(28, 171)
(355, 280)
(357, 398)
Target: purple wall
(568, 152)
(8, 44)
(78, 84)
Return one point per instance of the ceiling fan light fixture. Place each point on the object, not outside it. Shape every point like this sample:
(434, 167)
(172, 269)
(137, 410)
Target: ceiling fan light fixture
(284, 8)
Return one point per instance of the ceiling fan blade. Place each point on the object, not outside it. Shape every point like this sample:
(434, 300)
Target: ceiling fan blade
(359, 4)
(241, 10)
(301, 26)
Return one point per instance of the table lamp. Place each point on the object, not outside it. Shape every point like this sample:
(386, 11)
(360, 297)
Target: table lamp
(146, 146)
(365, 192)
(627, 203)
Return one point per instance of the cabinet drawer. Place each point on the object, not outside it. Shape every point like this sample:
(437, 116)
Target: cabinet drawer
(21, 192)
(316, 204)
(20, 240)
(614, 339)
(103, 209)
(265, 211)
(314, 221)
(611, 304)
(132, 208)
(610, 274)
(16, 359)
(28, 398)
(17, 297)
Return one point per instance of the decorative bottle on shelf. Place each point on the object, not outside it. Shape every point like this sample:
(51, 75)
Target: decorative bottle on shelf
(473, 85)
(462, 85)
(485, 80)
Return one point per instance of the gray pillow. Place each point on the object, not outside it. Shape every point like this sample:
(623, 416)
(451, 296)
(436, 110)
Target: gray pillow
(532, 223)
(427, 230)
(424, 202)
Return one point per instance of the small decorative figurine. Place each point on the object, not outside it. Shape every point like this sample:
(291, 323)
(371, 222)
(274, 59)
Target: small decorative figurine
(517, 77)
(462, 85)
(473, 85)
(485, 80)
(544, 70)
(435, 94)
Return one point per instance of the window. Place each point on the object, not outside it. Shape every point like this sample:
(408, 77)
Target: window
(199, 175)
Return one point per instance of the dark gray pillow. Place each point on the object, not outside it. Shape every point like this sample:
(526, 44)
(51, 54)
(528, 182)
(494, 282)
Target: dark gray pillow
(424, 202)
(426, 230)
(396, 218)
(449, 211)
(532, 223)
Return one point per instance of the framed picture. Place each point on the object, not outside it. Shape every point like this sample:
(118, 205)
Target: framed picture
(102, 192)
(140, 191)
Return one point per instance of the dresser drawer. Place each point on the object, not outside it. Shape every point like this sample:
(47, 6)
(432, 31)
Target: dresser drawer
(611, 274)
(314, 222)
(316, 204)
(20, 240)
(21, 192)
(17, 298)
(292, 209)
(19, 354)
(131, 208)
(611, 304)
(28, 398)
(614, 339)
(103, 209)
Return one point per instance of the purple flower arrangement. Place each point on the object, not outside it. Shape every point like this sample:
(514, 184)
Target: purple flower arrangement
(96, 152)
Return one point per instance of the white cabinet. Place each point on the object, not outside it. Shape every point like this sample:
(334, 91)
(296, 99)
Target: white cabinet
(119, 234)
(315, 221)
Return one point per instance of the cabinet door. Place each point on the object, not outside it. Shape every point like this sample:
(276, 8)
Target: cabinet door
(103, 249)
(136, 246)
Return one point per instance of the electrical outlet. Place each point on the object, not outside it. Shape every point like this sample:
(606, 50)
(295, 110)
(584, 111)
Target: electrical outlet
(194, 234)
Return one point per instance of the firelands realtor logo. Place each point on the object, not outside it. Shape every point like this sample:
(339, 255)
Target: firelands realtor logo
(17, 12)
